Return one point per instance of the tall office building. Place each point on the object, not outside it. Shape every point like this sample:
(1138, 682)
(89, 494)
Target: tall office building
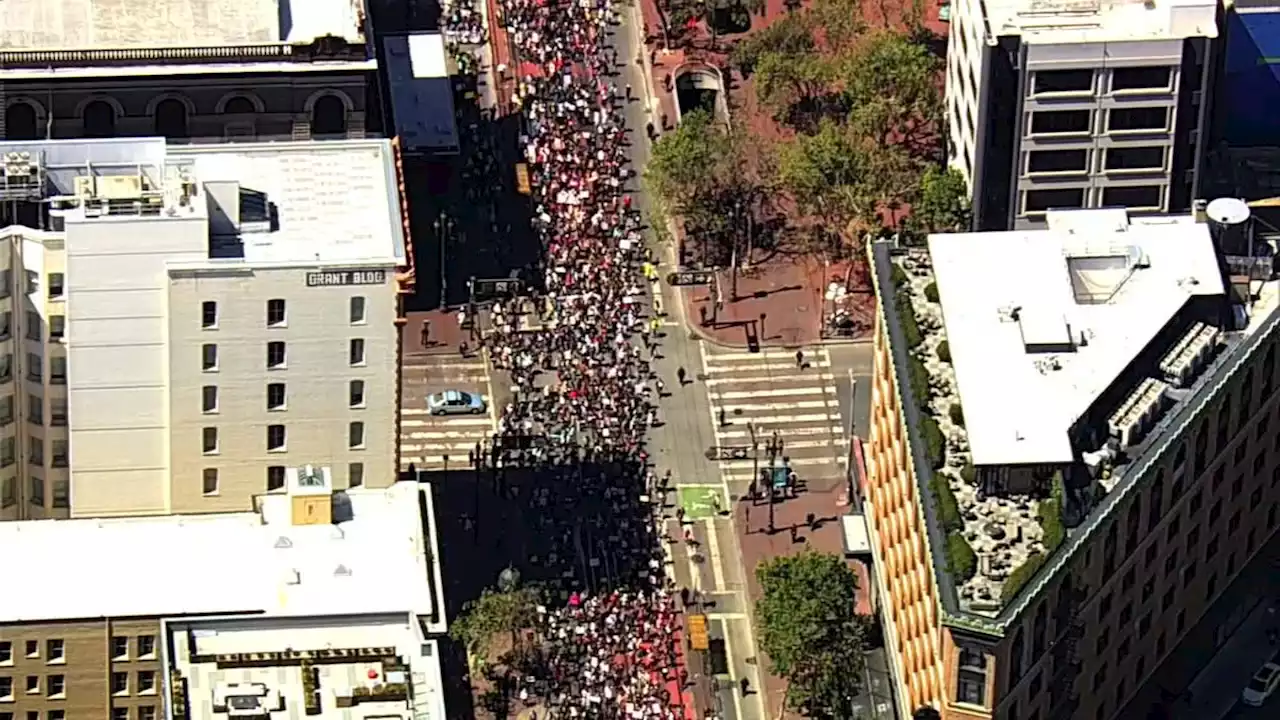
(186, 323)
(1071, 453)
(1057, 104)
(187, 70)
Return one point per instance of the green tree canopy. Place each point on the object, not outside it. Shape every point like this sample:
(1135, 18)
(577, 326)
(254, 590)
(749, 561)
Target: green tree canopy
(891, 85)
(942, 203)
(697, 170)
(789, 36)
(493, 613)
(809, 630)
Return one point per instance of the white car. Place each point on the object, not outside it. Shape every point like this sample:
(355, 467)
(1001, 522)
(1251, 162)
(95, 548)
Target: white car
(1262, 685)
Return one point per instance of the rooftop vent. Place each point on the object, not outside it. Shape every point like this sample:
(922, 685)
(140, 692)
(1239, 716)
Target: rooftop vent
(283, 543)
(1096, 277)
(342, 571)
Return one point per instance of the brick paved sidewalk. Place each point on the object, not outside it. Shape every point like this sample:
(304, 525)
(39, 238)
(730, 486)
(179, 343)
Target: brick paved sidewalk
(444, 336)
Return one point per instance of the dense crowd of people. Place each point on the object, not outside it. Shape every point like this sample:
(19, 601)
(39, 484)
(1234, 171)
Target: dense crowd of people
(583, 393)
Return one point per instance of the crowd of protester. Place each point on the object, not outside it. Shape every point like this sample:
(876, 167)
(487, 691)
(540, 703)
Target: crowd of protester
(577, 353)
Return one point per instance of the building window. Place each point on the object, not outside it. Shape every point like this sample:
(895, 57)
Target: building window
(146, 646)
(6, 325)
(275, 438)
(171, 119)
(1038, 201)
(35, 409)
(119, 683)
(209, 484)
(355, 474)
(277, 356)
(209, 399)
(971, 680)
(58, 714)
(99, 119)
(35, 367)
(54, 651)
(6, 652)
(275, 396)
(275, 313)
(355, 351)
(119, 647)
(6, 367)
(1055, 162)
(146, 682)
(1062, 81)
(1141, 78)
(209, 440)
(58, 370)
(6, 409)
(21, 123)
(355, 393)
(357, 310)
(57, 286)
(57, 418)
(329, 116)
(1061, 122)
(209, 315)
(146, 712)
(1139, 119)
(1134, 159)
(62, 494)
(57, 685)
(57, 327)
(6, 688)
(1136, 197)
(239, 105)
(119, 713)
(35, 454)
(209, 357)
(275, 478)
(355, 435)
(33, 684)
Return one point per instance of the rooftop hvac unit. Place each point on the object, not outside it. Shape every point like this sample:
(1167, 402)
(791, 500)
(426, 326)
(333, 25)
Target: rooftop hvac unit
(1181, 365)
(1138, 412)
(120, 187)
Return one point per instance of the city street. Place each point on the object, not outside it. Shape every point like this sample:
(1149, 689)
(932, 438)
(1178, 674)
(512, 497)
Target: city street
(433, 443)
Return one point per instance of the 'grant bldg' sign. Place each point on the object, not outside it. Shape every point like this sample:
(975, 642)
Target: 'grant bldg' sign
(331, 278)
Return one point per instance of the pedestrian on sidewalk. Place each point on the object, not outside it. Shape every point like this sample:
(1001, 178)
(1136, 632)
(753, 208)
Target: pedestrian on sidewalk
(723, 421)
(680, 375)
(426, 333)
(661, 387)
(800, 359)
(745, 685)
(628, 93)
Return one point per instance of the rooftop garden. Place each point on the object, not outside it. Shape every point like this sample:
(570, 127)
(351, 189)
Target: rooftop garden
(994, 541)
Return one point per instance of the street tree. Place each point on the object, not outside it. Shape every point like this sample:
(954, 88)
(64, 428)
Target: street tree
(839, 22)
(495, 612)
(790, 36)
(941, 204)
(890, 84)
(809, 630)
(843, 179)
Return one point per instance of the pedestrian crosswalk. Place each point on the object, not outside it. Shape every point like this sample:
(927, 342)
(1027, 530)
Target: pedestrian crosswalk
(431, 442)
(757, 396)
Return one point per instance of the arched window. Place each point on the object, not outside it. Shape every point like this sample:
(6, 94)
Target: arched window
(99, 119)
(239, 105)
(171, 119)
(20, 122)
(329, 116)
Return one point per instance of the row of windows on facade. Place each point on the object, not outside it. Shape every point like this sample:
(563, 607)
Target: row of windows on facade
(1144, 119)
(34, 329)
(1249, 459)
(275, 479)
(277, 397)
(1086, 81)
(170, 120)
(278, 355)
(36, 496)
(123, 649)
(140, 712)
(277, 315)
(277, 438)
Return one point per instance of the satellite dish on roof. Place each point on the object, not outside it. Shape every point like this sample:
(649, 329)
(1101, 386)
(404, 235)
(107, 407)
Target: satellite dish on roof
(1228, 211)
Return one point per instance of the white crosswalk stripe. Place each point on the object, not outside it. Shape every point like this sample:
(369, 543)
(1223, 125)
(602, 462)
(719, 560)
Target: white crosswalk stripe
(759, 394)
(430, 442)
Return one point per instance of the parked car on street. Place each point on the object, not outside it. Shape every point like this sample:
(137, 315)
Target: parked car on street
(1262, 685)
(456, 402)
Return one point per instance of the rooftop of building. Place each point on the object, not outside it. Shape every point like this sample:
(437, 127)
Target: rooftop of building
(1074, 306)
(153, 24)
(371, 559)
(368, 667)
(1042, 366)
(1092, 21)
(313, 202)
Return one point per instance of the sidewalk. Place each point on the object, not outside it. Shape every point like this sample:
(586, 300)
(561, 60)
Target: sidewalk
(777, 304)
(444, 336)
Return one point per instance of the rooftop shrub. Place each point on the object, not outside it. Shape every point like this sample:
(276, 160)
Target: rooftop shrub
(945, 502)
(931, 292)
(918, 375)
(944, 351)
(935, 445)
(957, 414)
(1020, 576)
(962, 562)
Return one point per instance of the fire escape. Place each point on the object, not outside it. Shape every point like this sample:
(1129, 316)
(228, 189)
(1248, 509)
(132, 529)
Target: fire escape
(1064, 698)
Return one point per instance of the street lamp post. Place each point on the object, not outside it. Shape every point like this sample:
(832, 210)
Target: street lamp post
(773, 457)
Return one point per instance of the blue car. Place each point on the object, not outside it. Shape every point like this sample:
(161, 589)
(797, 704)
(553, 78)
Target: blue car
(456, 402)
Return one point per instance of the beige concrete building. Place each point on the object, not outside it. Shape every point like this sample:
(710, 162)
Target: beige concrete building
(318, 602)
(229, 311)
(1071, 454)
(188, 70)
